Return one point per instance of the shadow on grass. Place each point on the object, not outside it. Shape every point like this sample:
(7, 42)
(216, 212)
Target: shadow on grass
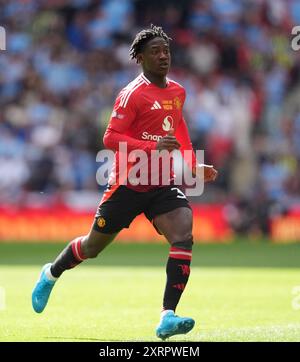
(238, 254)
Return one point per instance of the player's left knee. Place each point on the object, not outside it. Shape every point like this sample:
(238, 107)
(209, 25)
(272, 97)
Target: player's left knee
(184, 243)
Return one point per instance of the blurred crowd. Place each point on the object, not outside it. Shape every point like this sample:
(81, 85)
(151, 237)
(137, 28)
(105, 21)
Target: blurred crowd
(66, 60)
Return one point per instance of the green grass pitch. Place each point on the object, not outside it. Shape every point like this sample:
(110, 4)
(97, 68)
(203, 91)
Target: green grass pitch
(236, 292)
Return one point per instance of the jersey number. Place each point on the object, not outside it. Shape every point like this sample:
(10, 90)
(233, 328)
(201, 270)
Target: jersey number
(180, 194)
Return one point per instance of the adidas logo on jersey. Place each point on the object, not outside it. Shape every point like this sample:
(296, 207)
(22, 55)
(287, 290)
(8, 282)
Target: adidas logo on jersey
(156, 105)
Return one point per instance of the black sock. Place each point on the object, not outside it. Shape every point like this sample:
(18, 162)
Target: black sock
(178, 271)
(70, 257)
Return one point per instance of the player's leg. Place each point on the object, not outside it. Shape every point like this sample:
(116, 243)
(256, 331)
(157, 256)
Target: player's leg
(79, 249)
(117, 209)
(171, 214)
(73, 254)
(176, 226)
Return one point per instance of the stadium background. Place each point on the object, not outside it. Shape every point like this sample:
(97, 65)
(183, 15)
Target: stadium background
(65, 62)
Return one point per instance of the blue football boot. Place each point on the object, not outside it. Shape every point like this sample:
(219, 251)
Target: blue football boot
(41, 291)
(171, 324)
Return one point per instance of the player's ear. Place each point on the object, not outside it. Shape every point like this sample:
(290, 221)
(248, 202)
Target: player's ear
(140, 58)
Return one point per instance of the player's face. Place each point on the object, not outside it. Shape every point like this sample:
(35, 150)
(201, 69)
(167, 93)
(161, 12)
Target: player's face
(156, 57)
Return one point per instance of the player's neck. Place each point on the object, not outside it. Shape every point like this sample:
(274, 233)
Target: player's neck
(160, 81)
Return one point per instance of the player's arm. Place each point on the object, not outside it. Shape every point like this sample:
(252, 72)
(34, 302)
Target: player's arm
(112, 139)
(120, 121)
(168, 142)
(201, 170)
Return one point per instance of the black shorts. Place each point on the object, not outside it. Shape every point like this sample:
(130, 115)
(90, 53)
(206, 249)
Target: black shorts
(121, 205)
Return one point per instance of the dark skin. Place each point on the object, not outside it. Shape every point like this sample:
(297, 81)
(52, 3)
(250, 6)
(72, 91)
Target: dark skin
(177, 224)
(155, 61)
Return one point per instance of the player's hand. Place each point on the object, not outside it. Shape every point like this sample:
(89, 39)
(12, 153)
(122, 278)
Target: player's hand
(168, 142)
(208, 172)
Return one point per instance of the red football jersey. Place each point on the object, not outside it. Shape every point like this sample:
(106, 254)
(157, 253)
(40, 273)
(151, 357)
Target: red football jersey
(142, 114)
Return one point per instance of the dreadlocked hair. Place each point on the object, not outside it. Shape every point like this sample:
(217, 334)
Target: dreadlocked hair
(144, 36)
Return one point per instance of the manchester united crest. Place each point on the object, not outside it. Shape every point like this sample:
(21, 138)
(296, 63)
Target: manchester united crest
(101, 222)
(177, 103)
